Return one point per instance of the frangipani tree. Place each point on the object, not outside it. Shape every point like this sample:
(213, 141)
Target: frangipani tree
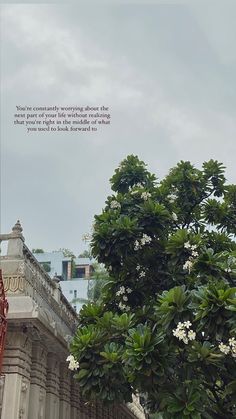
(166, 325)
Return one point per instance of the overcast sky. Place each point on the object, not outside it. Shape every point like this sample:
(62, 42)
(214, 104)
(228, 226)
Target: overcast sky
(167, 72)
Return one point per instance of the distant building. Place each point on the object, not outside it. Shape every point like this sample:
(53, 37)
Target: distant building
(65, 268)
(74, 275)
(55, 264)
(76, 291)
(83, 267)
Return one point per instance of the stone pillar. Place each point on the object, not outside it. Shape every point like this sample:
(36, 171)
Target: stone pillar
(65, 376)
(69, 270)
(2, 382)
(37, 397)
(16, 367)
(87, 271)
(74, 398)
(52, 387)
(16, 241)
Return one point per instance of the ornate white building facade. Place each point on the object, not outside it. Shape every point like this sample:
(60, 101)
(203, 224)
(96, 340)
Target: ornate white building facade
(35, 381)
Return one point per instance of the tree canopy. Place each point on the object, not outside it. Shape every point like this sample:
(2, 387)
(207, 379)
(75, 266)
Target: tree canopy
(37, 250)
(165, 327)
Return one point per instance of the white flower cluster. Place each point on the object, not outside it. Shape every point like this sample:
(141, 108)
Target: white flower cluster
(136, 185)
(183, 332)
(122, 292)
(190, 246)
(172, 197)
(132, 188)
(231, 264)
(230, 348)
(145, 195)
(144, 240)
(123, 307)
(115, 204)
(141, 272)
(189, 263)
(73, 364)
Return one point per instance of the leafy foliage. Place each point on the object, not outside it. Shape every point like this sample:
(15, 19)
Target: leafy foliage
(165, 325)
(37, 250)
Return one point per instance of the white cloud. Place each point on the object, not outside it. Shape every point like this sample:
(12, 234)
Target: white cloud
(166, 73)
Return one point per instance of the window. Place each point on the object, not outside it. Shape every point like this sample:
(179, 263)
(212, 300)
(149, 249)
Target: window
(75, 293)
(71, 292)
(74, 307)
(80, 272)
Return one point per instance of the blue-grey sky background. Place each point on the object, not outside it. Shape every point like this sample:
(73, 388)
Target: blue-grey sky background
(168, 73)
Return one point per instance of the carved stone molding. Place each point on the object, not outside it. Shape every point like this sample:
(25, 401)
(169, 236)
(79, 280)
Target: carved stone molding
(14, 284)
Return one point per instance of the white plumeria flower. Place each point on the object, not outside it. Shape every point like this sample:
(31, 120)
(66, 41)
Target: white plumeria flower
(179, 333)
(121, 291)
(232, 342)
(145, 239)
(138, 267)
(123, 307)
(230, 348)
(193, 247)
(224, 348)
(145, 195)
(125, 298)
(195, 254)
(73, 364)
(174, 216)
(142, 274)
(187, 324)
(182, 333)
(128, 290)
(188, 266)
(172, 197)
(115, 204)
(136, 245)
(187, 245)
(191, 335)
(136, 185)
